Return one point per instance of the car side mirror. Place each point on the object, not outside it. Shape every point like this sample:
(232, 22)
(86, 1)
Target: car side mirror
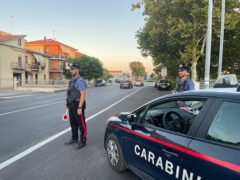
(131, 118)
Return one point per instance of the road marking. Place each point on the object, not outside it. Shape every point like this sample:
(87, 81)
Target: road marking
(11, 97)
(30, 108)
(37, 146)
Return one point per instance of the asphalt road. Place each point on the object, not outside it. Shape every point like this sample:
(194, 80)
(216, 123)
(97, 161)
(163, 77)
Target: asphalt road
(31, 119)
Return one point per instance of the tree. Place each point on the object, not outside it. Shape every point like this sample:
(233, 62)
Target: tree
(90, 67)
(175, 30)
(137, 69)
(106, 74)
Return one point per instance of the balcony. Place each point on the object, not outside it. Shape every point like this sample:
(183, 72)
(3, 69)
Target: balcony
(58, 70)
(31, 67)
(19, 66)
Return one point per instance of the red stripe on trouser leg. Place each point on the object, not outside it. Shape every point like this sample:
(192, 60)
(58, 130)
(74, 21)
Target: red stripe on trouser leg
(84, 128)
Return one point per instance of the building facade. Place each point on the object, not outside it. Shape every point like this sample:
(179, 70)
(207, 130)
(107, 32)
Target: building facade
(58, 52)
(20, 64)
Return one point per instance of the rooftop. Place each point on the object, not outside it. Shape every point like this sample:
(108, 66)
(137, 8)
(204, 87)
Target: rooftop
(48, 42)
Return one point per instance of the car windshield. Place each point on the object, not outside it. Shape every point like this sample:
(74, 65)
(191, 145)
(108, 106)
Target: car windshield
(163, 81)
(99, 81)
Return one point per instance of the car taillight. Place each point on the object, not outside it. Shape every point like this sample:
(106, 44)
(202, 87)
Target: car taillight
(128, 82)
(168, 84)
(120, 82)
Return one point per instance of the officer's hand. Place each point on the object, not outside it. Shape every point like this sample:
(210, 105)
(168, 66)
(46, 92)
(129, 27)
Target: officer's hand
(66, 105)
(79, 112)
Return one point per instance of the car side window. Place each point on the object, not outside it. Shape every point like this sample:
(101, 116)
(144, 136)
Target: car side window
(225, 127)
(175, 115)
(140, 113)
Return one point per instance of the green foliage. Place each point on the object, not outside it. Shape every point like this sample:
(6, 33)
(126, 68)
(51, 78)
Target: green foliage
(175, 32)
(106, 74)
(90, 67)
(137, 69)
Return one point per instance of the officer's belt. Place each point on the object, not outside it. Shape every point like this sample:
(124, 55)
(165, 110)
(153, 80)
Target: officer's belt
(72, 101)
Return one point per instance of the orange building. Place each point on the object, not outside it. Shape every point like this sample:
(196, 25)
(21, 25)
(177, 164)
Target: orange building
(78, 54)
(58, 52)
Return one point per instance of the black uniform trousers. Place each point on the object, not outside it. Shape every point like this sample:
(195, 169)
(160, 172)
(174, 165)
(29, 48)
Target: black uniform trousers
(77, 121)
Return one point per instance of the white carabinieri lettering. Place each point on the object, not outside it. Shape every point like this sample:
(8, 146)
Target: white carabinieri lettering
(166, 166)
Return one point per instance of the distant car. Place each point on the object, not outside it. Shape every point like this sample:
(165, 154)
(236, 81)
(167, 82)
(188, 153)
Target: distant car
(164, 84)
(126, 84)
(118, 80)
(109, 81)
(100, 83)
(189, 135)
(138, 83)
(226, 81)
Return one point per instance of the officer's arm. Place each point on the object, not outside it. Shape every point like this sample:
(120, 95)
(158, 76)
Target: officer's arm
(82, 98)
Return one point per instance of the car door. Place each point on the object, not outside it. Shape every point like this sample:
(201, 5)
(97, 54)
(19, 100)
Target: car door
(215, 152)
(152, 149)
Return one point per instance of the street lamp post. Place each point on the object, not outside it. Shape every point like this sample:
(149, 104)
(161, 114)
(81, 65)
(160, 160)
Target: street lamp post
(221, 39)
(208, 47)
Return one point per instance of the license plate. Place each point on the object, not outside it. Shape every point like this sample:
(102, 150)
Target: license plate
(163, 86)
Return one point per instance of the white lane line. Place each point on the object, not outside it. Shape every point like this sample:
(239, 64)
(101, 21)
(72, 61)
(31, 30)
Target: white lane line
(11, 112)
(11, 97)
(37, 146)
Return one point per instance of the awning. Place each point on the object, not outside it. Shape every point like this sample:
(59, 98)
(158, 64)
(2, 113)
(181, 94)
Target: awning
(39, 58)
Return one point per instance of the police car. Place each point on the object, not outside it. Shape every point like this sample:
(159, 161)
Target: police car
(193, 135)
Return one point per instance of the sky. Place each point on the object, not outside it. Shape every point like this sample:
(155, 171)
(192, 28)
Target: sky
(104, 29)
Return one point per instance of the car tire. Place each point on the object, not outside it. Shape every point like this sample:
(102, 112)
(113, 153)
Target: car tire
(114, 153)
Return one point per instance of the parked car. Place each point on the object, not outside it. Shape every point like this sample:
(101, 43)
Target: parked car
(126, 84)
(226, 81)
(109, 81)
(118, 80)
(164, 84)
(188, 135)
(138, 83)
(100, 83)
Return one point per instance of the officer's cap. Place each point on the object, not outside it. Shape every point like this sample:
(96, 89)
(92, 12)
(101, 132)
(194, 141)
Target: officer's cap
(74, 66)
(182, 67)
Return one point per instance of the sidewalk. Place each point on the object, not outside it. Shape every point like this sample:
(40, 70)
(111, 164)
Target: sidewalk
(44, 88)
(5, 93)
(24, 91)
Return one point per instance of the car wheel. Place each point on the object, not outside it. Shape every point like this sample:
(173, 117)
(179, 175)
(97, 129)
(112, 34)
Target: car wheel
(114, 153)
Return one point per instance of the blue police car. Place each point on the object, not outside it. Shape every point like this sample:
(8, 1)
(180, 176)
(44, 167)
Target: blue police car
(188, 136)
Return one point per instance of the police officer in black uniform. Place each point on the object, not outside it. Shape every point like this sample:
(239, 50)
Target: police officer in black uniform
(184, 84)
(76, 104)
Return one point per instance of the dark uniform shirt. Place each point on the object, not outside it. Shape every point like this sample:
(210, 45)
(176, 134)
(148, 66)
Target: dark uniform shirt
(185, 85)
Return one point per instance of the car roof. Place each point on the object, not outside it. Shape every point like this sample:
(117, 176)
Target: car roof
(200, 93)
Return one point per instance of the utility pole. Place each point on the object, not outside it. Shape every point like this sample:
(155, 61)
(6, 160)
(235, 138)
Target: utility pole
(147, 69)
(54, 37)
(11, 23)
(221, 39)
(208, 47)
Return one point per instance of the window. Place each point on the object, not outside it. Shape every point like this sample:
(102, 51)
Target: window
(26, 59)
(19, 42)
(177, 116)
(19, 61)
(225, 127)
